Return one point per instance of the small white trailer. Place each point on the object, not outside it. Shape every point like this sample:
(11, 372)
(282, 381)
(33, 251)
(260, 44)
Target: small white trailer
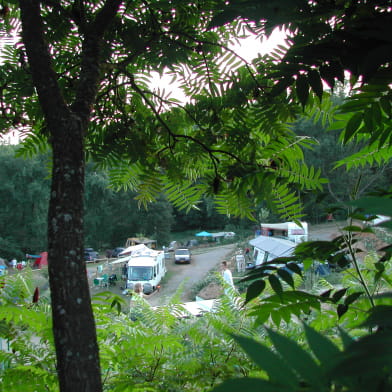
(286, 230)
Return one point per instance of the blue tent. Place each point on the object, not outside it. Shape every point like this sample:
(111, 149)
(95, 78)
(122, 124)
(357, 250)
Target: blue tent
(203, 234)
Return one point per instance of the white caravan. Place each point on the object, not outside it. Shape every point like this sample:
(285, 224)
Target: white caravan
(286, 230)
(145, 266)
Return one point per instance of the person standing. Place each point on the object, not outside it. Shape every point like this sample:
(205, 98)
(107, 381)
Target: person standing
(247, 253)
(124, 271)
(226, 273)
(138, 289)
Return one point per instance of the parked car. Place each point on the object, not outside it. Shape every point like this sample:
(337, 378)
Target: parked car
(116, 251)
(90, 255)
(182, 256)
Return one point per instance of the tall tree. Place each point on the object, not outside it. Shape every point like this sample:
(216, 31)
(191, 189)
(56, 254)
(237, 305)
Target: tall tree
(74, 80)
(79, 79)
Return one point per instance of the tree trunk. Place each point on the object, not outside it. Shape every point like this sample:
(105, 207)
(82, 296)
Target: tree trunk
(73, 322)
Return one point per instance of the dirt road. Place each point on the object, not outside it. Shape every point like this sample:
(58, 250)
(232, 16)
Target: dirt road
(206, 259)
(203, 260)
(325, 231)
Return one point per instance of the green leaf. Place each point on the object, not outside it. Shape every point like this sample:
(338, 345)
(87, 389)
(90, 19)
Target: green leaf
(352, 126)
(379, 316)
(352, 298)
(373, 205)
(368, 119)
(286, 276)
(341, 310)
(297, 358)
(375, 349)
(376, 112)
(386, 106)
(281, 86)
(325, 351)
(295, 268)
(326, 294)
(254, 290)
(275, 284)
(347, 340)
(268, 361)
(315, 82)
(338, 295)
(302, 89)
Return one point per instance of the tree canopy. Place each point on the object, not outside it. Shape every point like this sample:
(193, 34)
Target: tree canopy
(78, 79)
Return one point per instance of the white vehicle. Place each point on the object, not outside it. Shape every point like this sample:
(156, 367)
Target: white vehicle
(145, 266)
(182, 256)
(286, 230)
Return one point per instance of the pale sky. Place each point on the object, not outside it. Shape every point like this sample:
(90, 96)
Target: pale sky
(249, 49)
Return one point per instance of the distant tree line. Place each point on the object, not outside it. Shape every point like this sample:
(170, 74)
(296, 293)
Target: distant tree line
(111, 216)
(343, 185)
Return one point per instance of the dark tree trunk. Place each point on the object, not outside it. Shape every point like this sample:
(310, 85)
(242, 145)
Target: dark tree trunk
(73, 322)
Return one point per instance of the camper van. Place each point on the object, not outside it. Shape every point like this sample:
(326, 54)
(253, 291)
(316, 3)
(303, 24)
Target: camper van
(145, 266)
(286, 230)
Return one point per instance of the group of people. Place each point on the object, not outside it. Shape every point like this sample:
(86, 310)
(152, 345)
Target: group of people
(19, 265)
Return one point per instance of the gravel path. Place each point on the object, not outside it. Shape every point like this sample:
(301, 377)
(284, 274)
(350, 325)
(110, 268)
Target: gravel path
(189, 274)
(203, 260)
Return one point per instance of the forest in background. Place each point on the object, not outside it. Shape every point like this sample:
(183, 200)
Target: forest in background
(113, 215)
(75, 75)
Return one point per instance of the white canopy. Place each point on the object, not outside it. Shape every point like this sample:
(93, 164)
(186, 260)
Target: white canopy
(223, 234)
(277, 247)
(133, 248)
(133, 251)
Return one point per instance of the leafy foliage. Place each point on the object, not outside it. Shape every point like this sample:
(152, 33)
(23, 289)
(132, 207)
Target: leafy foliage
(141, 349)
(193, 149)
(231, 140)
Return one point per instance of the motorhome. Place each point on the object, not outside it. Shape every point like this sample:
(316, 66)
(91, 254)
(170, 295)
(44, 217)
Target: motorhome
(286, 230)
(143, 265)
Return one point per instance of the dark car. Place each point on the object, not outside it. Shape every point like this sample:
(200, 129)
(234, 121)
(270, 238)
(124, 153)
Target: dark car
(90, 255)
(117, 251)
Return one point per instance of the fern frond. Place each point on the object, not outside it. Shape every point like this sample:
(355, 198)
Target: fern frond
(287, 203)
(125, 176)
(34, 143)
(149, 187)
(183, 196)
(369, 155)
(232, 203)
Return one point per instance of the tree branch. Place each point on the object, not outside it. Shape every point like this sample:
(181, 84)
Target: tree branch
(91, 55)
(175, 136)
(44, 77)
